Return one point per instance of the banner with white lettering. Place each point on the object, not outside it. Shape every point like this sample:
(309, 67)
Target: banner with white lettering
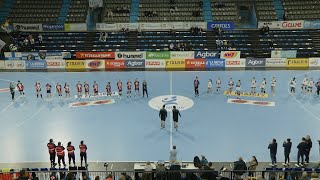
(283, 24)
(130, 55)
(95, 3)
(27, 27)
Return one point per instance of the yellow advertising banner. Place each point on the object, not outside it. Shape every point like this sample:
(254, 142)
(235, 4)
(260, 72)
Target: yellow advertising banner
(75, 64)
(175, 63)
(298, 63)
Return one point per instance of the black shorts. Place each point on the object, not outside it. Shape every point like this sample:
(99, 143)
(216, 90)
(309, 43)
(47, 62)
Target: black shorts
(38, 90)
(49, 91)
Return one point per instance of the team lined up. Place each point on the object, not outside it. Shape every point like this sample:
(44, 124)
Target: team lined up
(80, 88)
(59, 150)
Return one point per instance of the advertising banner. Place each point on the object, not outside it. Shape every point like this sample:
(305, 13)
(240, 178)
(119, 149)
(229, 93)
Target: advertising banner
(276, 62)
(182, 54)
(56, 55)
(172, 25)
(282, 24)
(15, 64)
(95, 3)
(284, 54)
(175, 63)
(314, 62)
(56, 64)
(106, 27)
(312, 24)
(27, 27)
(75, 64)
(135, 63)
(188, 25)
(255, 62)
(13, 56)
(222, 25)
(115, 64)
(53, 27)
(155, 63)
(131, 26)
(235, 63)
(95, 55)
(33, 55)
(158, 54)
(230, 54)
(206, 54)
(75, 27)
(298, 63)
(195, 63)
(215, 63)
(130, 55)
(36, 64)
(95, 64)
(2, 65)
(150, 26)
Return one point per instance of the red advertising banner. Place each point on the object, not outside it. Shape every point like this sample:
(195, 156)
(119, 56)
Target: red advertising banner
(95, 55)
(195, 63)
(115, 64)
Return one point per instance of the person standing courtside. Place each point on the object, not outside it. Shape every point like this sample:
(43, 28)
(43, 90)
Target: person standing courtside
(175, 114)
(144, 88)
(83, 153)
(308, 148)
(287, 149)
(196, 84)
(163, 116)
(60, 153)
(273, 152)
(302, 146)
(52, 152)
(12, 88)
(71, 155)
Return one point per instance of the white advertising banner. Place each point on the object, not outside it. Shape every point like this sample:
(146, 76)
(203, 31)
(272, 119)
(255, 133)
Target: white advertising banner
(15, 64)
(276, 62)
(230, 54)
(95, 3)
(130, 55)
(155, 63)
(76, 27)
(171, 25)
(106, 27)
(27, 27)
(283, 24)
(56, 64)
(188, 25)
(182, 55)
(131, 26)
(314, 62)
(150, 26)
(235, 63)
(2, 65)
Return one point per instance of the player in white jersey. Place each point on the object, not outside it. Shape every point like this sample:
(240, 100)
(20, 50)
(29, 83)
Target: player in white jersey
(304, 84)
(310, 86)
(273, 85)
(293, 86)
(263, 87)
(230, 87)
(38, 89)
(253, 85)
(218, 85)
(238, 88)
(209, 86)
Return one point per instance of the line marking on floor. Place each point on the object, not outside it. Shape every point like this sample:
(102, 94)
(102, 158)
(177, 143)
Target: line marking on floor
(171, 115)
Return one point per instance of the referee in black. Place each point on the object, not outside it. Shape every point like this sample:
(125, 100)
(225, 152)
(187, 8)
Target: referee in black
(12, 88)
(163, 116)
(144, 88)
(175, 114)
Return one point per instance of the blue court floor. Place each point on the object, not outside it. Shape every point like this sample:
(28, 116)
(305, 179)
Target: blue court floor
(129, 129)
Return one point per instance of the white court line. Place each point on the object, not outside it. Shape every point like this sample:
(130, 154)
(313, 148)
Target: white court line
(171, 114)
(301, 105)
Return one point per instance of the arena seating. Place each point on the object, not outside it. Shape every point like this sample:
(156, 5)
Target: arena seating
(266, 10)
(35, 11)
(298, 10)
(78, 11)
(224, 10)
(181, 10)
(119, 8)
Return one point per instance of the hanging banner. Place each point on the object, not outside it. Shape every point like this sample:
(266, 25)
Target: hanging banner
(106, 27)
(95, 55)
(312, 24)
(150, 26)
(230, 54)
(195, 63)
(158, 55)
(182, 54)
(56, 64)
(215, 63)
(130, 55)
(12, 55)
(171, 25)
(282, 24)
(95, 64)
(15, 64)
(115, 64)
(27, 27)
(284, 54)
(53, 27)
(222, 25)
(33, 55)
(175, 63)
(75, 27)
(276, 62)
(131, 26)
(75, 64)
(188, 25)
(298, 63)
(95, 3)
(155, 63)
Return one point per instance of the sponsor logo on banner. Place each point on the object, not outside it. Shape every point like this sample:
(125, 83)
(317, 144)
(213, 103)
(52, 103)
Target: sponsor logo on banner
(158, 54)
(222, 25)
(130, 55)
(53, 27)
(182, 54)
(181, 102)
(175, 63)
(75, 64)
(206, 54)
(188, 25)
(13, 56)
(255, 62)
(33, 55)
(276, 62)
(56, 64)
(36, 64)
(150, 26)
(171, 25)
(2, 65)
(195, 63)
(91, 103)
(94, 96)
(251, 102)
(15, 64)
(131, 26)
(314, 62)
(95, 3)
(312, 24)
(115, 64)
(27, 27)
(282, 24)
(230, 54)
(215, 63)
(246, 94)
(95, 64)
(106, 27)
(299, 62)
(155, 63)
(135, 63)
(95, 55)
(75, 27)
(234, 63)
(284, 54)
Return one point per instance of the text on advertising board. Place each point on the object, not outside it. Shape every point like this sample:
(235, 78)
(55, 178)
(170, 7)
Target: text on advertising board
(256, 62)
(95, 64)
(215, 63)
(159, 63)
(195, 63)
(115, 64)
(303, 62)
(135, 63)
(130, 55)
(230, 55)
(206, 54)
(158, 55)
(36, 64)
(75, 64)
(175, 63)
(95, 55)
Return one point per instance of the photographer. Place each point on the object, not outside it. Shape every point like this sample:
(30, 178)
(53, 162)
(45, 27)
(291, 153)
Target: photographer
(239, 168)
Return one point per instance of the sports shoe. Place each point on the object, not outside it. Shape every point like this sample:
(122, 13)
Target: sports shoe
(271, 164)
(284, 164)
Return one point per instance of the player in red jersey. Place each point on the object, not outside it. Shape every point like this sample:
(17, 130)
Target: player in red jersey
(59, 90)
(60, 153)
(95, 89)
(129, 88)
(38, 89)
(20, 88)
(108, 88)
(86, 89)
(52, 152)
(119, 85)
(48, 87)
(67, 90)
(71, 155)
(83, 153)
(136, 87)
(79, 89)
